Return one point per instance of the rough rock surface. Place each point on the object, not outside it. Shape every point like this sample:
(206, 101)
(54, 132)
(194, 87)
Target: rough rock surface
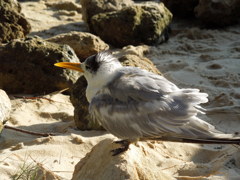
(181, 8)
(5, 108)
(217, 12)
(84, 44)
(211, 13)
(93, 7)
(134, 56)
(129, 56)
(1, 127)
(27, 66)
(13, 25)
(65, 5)
(5, 105)
(131, 165)
(146, 23)
(82, 118)
(151, 161)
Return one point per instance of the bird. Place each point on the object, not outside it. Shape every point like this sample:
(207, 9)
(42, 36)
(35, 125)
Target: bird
(137, 105)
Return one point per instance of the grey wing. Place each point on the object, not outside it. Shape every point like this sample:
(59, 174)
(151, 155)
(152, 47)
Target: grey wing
(139, 104)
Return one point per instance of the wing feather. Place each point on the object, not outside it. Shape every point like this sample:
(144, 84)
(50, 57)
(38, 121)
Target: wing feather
(141, 104)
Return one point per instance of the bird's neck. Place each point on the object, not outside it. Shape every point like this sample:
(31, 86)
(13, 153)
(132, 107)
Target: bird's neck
(91, 92)
(97, 84)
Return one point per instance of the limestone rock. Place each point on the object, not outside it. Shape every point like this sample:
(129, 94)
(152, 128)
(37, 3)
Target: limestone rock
(131, 165)
(151, 161)
(11, 5)
(27, 66)
(1, 127)
(44, 173)
(134, 56)
(211, 13)
(93, 7)
(215, 13)
(82, 118)
(146, 23)
(65, 5)
(181, 8)
(84, 44)
(5, 107)
(129, 56)
(13, 25)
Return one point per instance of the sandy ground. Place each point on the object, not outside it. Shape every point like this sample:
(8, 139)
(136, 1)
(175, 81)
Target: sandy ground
(207, 60)
(193, 57)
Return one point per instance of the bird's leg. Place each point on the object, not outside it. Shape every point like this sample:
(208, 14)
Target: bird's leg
(124, 147)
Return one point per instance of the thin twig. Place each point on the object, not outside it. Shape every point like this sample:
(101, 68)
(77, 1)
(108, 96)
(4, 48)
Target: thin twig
(41, 96)
(33, 98)
(38, 98)
(28, 132)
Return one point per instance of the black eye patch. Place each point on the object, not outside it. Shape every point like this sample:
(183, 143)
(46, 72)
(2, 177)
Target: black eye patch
(92, 64)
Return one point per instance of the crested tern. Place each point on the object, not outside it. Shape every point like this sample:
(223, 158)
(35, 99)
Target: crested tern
(134, 104)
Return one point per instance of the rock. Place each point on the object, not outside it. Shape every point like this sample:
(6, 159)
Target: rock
(146, 23)
(211, 13)
(65, 5)
(93, 7)
(129, 56)
(5, 105)
(182, 8)
(152, 160)
(5, 108)
(45, 173)
(218, 13)
(65, 13)
(82, 118)
(100, 164)
(134, 56)
(13, 25)
(27, 66)
(84, 44)
(1, 127)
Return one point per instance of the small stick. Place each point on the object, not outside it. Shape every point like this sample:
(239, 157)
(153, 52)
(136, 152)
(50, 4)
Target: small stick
(33, 98)
(41, 97)
(28, 132)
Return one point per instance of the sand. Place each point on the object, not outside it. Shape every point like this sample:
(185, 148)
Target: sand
(193, 57)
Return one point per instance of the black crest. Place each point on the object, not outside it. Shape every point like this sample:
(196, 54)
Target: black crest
(91, 64)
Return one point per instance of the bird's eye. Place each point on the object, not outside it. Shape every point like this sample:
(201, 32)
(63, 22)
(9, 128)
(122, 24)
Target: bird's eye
(87, 66)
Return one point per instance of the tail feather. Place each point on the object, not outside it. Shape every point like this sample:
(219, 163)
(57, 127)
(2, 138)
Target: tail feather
(190, 96)
(200, 141)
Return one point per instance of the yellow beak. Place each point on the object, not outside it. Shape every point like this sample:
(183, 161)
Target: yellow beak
(68, 65)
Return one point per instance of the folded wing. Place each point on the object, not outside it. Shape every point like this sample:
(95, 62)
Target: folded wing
(138, 104)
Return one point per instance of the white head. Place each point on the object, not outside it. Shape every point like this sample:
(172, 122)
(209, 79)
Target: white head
(98, 70)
